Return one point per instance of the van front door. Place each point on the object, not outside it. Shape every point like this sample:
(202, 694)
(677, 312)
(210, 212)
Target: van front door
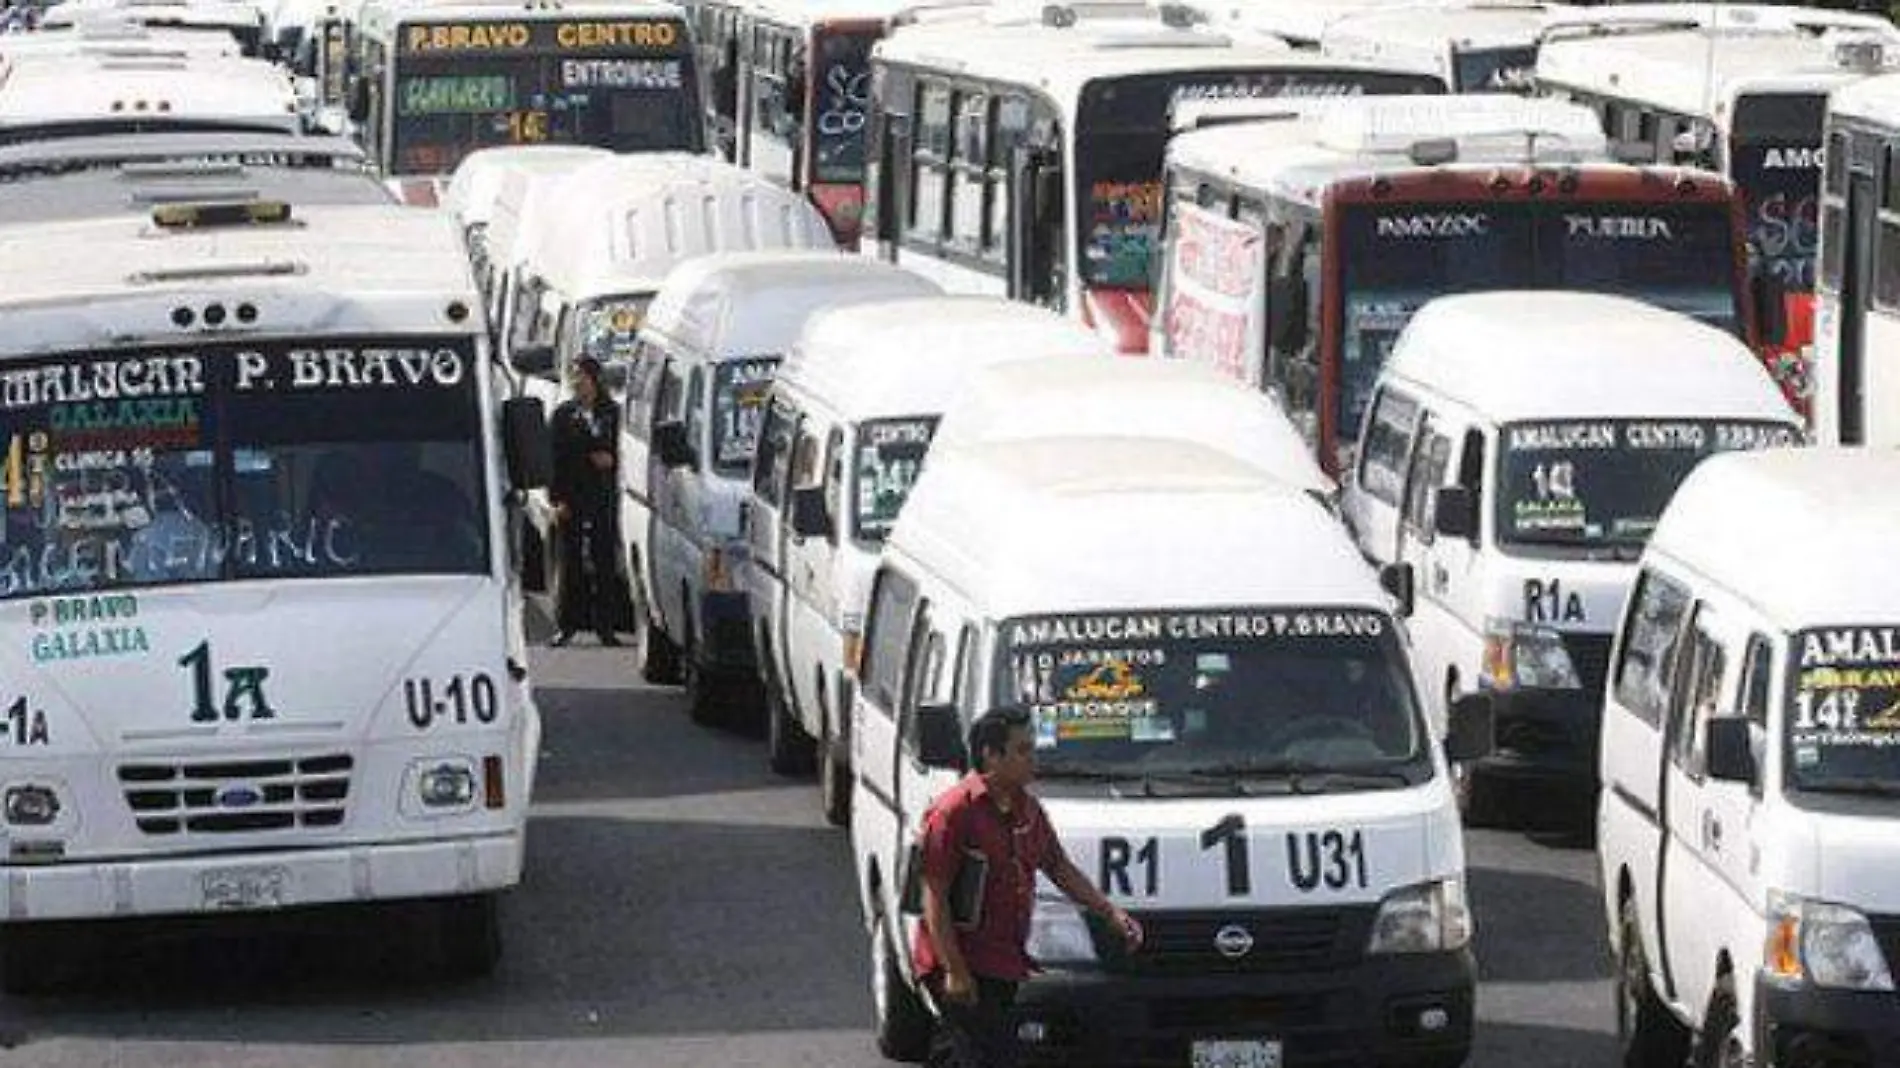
(927, 680)
(1430, 558)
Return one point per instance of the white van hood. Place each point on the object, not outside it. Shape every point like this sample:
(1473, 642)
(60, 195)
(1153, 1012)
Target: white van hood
(1330, 849)
(1582, 596)
(1845, 859)
(180, 669)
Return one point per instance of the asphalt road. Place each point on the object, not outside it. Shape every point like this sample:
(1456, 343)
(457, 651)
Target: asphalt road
(683, 906)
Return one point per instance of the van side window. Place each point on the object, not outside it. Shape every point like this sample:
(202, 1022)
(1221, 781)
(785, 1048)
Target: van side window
(695, 408)
(1388, 442)
(666, 406)
(834, 482)
(1757, 679)
(967, 684)
(772, 464)
(805, 457)
(1429, 463)
(643, 382)
(1698, 700)
(893, 603)
(924, 667)
(1650, 636)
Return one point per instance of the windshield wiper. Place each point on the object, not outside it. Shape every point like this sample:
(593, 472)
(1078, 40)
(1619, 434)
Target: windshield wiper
(1854, 785)
(1147, 782)
(1305, 777)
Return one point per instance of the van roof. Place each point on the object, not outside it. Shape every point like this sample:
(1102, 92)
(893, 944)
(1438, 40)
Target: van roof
(755, 303)
(1104, 523)
(1802, 534)
(1167, 399)
(478, 180)
(908, 357)
(1551, 354)
(1441, 25)
(153, 89)
(617, 225)
(1874, 99)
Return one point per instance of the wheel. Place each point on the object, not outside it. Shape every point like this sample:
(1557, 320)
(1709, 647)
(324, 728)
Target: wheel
(1720, 1044)
(1477, 799)
(35, 960)
(1647, 1034)
(702, 689)
(658, 657)
(834, 781)
(789, 750)
(903, 1023)
(468, 936)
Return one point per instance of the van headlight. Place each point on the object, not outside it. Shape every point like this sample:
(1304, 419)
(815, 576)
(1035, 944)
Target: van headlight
(447, 784)
(1427, 918)
(1059, 934)
(1830, 946)
(1524, 656)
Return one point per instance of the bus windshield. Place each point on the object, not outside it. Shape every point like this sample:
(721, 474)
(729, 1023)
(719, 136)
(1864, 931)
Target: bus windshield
(1775, 160)
(1121, 140)
(1594, 483)
(1494, 70)
(842, 80)
(1215, 692)
(258, 460)
(629, 90)
(1394, 258)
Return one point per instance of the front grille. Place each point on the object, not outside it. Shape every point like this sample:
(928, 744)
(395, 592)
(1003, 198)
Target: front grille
(1283, 940)
(235, 796)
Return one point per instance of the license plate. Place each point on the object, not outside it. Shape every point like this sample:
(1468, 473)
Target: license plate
(246, 888)
(1240, 1053)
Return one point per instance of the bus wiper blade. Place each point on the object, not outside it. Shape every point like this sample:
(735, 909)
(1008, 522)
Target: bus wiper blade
(1855, 785)
(1305, 777)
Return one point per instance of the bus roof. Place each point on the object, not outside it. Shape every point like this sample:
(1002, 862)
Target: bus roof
(1060, 60)
(157, 90)
(618, 225)
(1700, 71)
(1318, 143)
(386, 15)
(1875, 100)
(1106, 523)
(1476, 24)
(381, 253)
(226, 151)
(138, 188)
(1733, 519)
(111, 31)
(1549, 354)
(1773, 18)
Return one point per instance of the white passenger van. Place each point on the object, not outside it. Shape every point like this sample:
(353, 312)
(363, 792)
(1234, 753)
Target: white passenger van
(474, 191)
(1229, 741)
(264, 650)
(1517, 451)
(1477, 46)
(1748, 830)
(846, 432)
(702, 365)
(57, 96)
(1171, 399)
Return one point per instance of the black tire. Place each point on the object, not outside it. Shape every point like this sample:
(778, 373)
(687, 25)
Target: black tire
(35, 960)
(658, 657)
(702, 688)
(1647, 1034)
(834, 781)
(789, 750)
(468, 936)
(903, 1025)
(1720, 1043)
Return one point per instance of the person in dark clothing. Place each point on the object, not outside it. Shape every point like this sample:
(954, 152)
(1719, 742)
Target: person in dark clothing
(972, 970)
(586, 506)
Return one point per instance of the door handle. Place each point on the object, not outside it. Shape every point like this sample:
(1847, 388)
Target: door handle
(1711, 831)
(1441, 578)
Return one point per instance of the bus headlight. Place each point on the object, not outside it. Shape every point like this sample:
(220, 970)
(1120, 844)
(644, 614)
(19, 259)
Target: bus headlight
(1828, 945)
(1427, 918)
(31, 805)
(1058, 934)
(449, 784)
(1523, 656)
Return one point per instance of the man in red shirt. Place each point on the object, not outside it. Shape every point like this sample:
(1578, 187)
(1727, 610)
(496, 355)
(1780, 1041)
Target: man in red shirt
(972, 969)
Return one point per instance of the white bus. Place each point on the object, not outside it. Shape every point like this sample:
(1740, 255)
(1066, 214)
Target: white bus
(242, 22)
(1742, 93)
(53, 96)
(1021, 155)
(1477, 46)
(265, 650)
(1857, 290)
(438, 79)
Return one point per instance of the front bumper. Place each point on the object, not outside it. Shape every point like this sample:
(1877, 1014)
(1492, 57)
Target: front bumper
(1812, 1028)
(1547, 736)
(175, 885)
(1368, 1014)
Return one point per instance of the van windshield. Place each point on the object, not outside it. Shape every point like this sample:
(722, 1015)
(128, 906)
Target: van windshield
(1843, 725)
(1216, 692)
(336, 458)
(888, 458)
(607, 327)
(740, 388)
(1604, 482)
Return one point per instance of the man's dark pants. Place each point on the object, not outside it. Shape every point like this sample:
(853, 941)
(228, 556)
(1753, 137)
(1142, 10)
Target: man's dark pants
(979, 1035)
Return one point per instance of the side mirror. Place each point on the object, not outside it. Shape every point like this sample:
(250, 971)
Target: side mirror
(359, 99)
(1400, 581)
(809, 519)
(940, 738)
(534, 359)
(1731, 751)
(524, 435)
(1769, 297)
(1471, 733)
(1287, 296)
(671, 444)
(1455, 513)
